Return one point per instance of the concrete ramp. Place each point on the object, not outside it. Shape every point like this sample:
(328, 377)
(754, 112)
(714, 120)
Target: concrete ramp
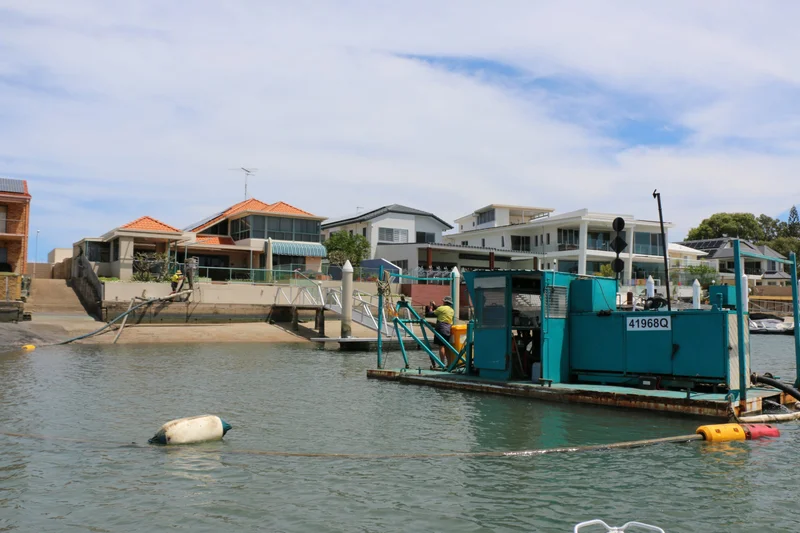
(53, 296)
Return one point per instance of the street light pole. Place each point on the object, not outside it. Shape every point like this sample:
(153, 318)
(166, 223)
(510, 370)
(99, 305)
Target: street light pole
(36, 254)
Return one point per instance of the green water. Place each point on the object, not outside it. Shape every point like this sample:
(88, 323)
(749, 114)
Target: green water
(296, 398)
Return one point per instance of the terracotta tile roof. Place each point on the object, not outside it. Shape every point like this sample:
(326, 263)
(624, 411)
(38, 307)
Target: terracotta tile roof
(215, 239)
(150, 224)
(251, 204)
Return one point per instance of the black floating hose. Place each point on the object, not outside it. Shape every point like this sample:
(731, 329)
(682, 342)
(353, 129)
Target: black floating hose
(788, 389)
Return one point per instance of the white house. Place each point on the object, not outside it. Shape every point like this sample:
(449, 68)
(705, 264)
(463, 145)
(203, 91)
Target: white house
(578, 241)
(390, 224)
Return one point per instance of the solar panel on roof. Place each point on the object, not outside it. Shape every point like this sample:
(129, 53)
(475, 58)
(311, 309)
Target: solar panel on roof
(207, 219)
(9, 185)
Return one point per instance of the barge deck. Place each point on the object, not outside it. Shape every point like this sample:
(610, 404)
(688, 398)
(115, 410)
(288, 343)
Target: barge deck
(714, 405)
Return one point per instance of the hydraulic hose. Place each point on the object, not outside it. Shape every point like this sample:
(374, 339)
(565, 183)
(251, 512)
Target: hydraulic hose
(788, 389)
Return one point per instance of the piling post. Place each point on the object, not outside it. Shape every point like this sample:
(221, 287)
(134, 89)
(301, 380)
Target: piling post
(455, 291)
(347, 300)
(796, 316)
(696, 295)
(744, 378)
(650, 287)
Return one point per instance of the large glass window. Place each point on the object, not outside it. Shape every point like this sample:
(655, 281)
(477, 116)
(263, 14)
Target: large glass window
(99, 252)
(568, 239)
(220, 228)
(240, 228)
(599, 240)
(306, 230)
(486, 216)
(520, 243)
(115, 250)
(647, 243)
(392, 235)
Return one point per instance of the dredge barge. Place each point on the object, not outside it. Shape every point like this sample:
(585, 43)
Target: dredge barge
(560, 337)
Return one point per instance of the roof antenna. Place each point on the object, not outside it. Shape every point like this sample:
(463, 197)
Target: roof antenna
(358, 208)
(247, 173)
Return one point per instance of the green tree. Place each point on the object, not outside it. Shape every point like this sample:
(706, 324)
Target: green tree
(702, 273)
(785, 245)
(607, 271)
(343, 247)
(793, 223)
(742, 225)
(771, 227)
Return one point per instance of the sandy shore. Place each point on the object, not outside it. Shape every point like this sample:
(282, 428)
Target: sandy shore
(45, 330)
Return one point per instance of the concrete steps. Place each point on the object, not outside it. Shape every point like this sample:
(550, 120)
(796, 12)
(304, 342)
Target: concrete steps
(53, 296)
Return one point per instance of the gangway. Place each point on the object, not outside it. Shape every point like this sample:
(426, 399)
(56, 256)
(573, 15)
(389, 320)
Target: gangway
(366, 311)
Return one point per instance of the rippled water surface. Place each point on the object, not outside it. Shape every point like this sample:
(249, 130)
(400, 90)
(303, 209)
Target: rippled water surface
(77, 410)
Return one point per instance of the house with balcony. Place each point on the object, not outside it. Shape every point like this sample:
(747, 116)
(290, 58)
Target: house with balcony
(15, 202)
(232, 244)
(759, 271)
(577, 241)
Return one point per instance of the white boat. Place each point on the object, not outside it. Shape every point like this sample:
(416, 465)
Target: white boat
(764, 324)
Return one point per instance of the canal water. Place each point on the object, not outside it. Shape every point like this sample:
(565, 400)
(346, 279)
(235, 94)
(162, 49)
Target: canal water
(77, 409)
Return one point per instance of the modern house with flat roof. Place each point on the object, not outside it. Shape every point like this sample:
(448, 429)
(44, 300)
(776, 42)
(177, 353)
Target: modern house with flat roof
(412, 239)
(577, 241)
(759, 271)
(15, 202)
(227, 245)
(390, 224)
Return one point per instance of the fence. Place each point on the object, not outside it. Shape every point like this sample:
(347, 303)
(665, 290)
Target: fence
(87, 286)
(252, 275)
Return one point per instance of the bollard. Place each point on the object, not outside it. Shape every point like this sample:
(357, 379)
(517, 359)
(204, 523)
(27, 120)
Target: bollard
(745, 294)
(696, 295)
(455, 289)
(347, 300)
(650, 287)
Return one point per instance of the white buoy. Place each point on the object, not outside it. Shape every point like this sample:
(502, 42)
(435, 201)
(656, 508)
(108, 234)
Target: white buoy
(650, 287)
(696, 295)
(190, 430)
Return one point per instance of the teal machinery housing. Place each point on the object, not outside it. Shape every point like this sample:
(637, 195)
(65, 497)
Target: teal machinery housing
(564, 328)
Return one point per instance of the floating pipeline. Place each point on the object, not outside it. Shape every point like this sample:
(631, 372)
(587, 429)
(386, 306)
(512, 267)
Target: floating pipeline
(191, 430)
(731, 432)
(750, 432)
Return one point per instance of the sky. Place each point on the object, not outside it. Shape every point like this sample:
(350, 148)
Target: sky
(115, 110)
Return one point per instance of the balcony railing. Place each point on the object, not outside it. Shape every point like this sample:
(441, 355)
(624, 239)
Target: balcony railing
(10, 226)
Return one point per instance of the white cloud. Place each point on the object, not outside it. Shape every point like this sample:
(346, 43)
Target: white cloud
(141, 108)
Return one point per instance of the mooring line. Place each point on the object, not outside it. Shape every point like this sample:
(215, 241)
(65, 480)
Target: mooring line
(385, 456)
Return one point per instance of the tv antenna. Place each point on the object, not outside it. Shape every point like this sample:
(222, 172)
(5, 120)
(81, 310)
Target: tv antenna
(247, 173)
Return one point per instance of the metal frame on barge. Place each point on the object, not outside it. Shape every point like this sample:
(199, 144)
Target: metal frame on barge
(559, 337)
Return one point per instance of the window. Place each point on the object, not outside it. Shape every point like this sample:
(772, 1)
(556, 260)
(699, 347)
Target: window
(483, 243)
(392, 235)
(502, 241)
(464, 243)
(647, 243)
(568, 239)
(240, 228)
(288, 262)
(548, 238)
(536, 240)
(426, 237)
(351, 233)
(115, 250)
(364, 232)
(520, 243)
(305, 230)
(220, 228)
(772, 266)
(486, 217)
(259, 227)
(99, 252)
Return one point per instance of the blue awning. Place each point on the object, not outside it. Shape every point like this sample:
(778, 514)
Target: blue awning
(302, 249)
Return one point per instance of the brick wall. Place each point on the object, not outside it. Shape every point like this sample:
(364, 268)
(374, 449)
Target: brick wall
(13, 284)
(18, 250)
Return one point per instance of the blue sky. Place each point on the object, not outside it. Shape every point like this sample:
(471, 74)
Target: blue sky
(117, 111)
